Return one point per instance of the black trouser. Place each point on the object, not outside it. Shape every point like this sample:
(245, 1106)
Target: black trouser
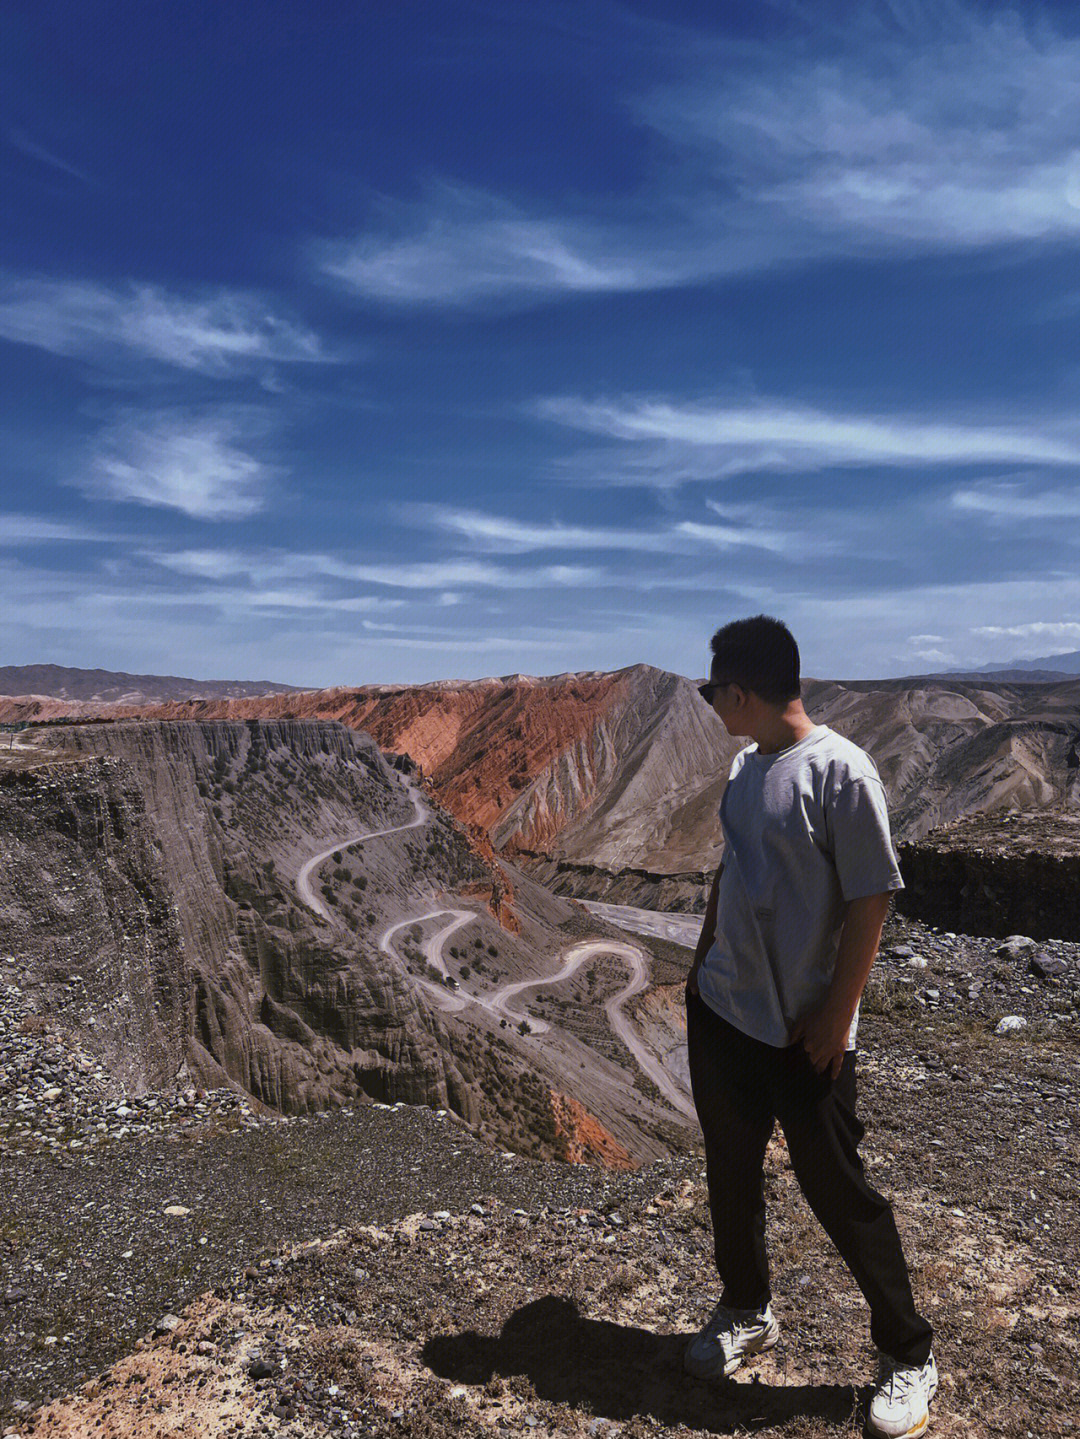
(741, 1086)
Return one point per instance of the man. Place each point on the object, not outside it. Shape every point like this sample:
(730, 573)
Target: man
(791, 929)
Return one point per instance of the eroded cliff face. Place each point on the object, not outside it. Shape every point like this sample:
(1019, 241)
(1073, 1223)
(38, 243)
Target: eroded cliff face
(616, 770)
(86, 919)
(997, 875)
(263, 996)
(962, 748)
(294, 886)
(642, 888)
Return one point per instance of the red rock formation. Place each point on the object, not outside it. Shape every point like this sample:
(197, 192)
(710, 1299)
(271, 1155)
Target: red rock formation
(478, 743)
(624, 771)
(585, 1139)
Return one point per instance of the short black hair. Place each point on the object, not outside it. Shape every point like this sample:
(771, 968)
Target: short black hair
(761, 655)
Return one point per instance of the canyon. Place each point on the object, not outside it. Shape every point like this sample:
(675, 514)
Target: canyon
(370, 947)
(262, 904)
(606, 785)
(320, 896)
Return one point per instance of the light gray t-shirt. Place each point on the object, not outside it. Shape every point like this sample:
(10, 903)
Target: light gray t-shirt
(805, 830)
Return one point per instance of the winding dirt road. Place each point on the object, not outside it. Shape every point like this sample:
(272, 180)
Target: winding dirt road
(303, 879)
(497, 1002)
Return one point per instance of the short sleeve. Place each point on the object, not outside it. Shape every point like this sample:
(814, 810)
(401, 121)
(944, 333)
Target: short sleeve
(862, 845)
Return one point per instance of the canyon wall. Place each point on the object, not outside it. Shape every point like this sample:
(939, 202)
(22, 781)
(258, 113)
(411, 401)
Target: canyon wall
(87, 920)
(685, 893)
(997, 875)
(150, 906)
(216, 819)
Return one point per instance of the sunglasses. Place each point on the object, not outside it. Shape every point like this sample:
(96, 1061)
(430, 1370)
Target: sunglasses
(710, 687)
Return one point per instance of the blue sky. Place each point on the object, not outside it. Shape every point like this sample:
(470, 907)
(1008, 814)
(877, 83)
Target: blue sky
(349, 343)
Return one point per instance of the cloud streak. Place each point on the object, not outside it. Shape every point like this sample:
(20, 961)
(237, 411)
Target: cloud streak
(666, 443)
(1007, 503)
(215, 334)
(465, 248)
(1050, 629)
(951, 136)
(37, 529)
(20, 140)
(417, 575)
(503, 535)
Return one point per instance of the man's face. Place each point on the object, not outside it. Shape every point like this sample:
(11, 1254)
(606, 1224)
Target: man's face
(728, 700)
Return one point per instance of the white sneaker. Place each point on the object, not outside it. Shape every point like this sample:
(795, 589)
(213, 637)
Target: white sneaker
(730, 1334)
(900, 1408)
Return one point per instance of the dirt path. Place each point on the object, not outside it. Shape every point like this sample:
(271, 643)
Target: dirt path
(448, 1000)
(303, 879)
(498, 1002)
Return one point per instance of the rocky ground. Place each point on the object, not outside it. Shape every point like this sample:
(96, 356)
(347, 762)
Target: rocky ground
(977, 984)
(366, 1273)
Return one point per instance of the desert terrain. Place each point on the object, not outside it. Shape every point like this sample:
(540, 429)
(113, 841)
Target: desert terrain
(327, 1108)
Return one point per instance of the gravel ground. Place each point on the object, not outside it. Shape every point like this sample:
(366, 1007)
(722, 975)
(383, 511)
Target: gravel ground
(506, 1324)
(567, 1314)
(89, 1257)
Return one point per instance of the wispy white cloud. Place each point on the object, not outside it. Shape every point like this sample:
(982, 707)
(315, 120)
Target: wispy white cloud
(665, 443)
(414, 575)
(504, 535)
(238, 601)
(463, 248)
(954, 131)
(1049, 629)
(38, 529)
(951, 135)
(1007, 503)
(216, 334)
(198, 463)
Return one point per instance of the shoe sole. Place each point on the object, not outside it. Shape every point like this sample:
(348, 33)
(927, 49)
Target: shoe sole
(768, 1340)
(913, 1433)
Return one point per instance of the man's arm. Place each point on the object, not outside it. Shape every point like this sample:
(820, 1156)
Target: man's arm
(708, 932)
(824, 1031)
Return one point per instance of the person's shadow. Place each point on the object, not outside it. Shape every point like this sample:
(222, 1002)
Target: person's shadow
(618, 1371)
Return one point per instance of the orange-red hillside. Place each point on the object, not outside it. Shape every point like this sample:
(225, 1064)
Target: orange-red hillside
(479, 743)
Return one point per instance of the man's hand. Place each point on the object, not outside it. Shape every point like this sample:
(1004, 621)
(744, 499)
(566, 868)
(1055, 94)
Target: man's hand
(824, 1034)
(824, 1030)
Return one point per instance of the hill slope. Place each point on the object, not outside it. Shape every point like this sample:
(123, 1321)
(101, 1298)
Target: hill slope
(611, 773)
(269, 904)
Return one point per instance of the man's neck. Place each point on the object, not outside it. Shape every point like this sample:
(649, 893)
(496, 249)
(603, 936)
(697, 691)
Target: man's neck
(779, 729)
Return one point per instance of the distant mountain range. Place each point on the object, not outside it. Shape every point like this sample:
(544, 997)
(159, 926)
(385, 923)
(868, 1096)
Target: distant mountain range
(1068, 664)
(1046, 667)
(116, 687)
